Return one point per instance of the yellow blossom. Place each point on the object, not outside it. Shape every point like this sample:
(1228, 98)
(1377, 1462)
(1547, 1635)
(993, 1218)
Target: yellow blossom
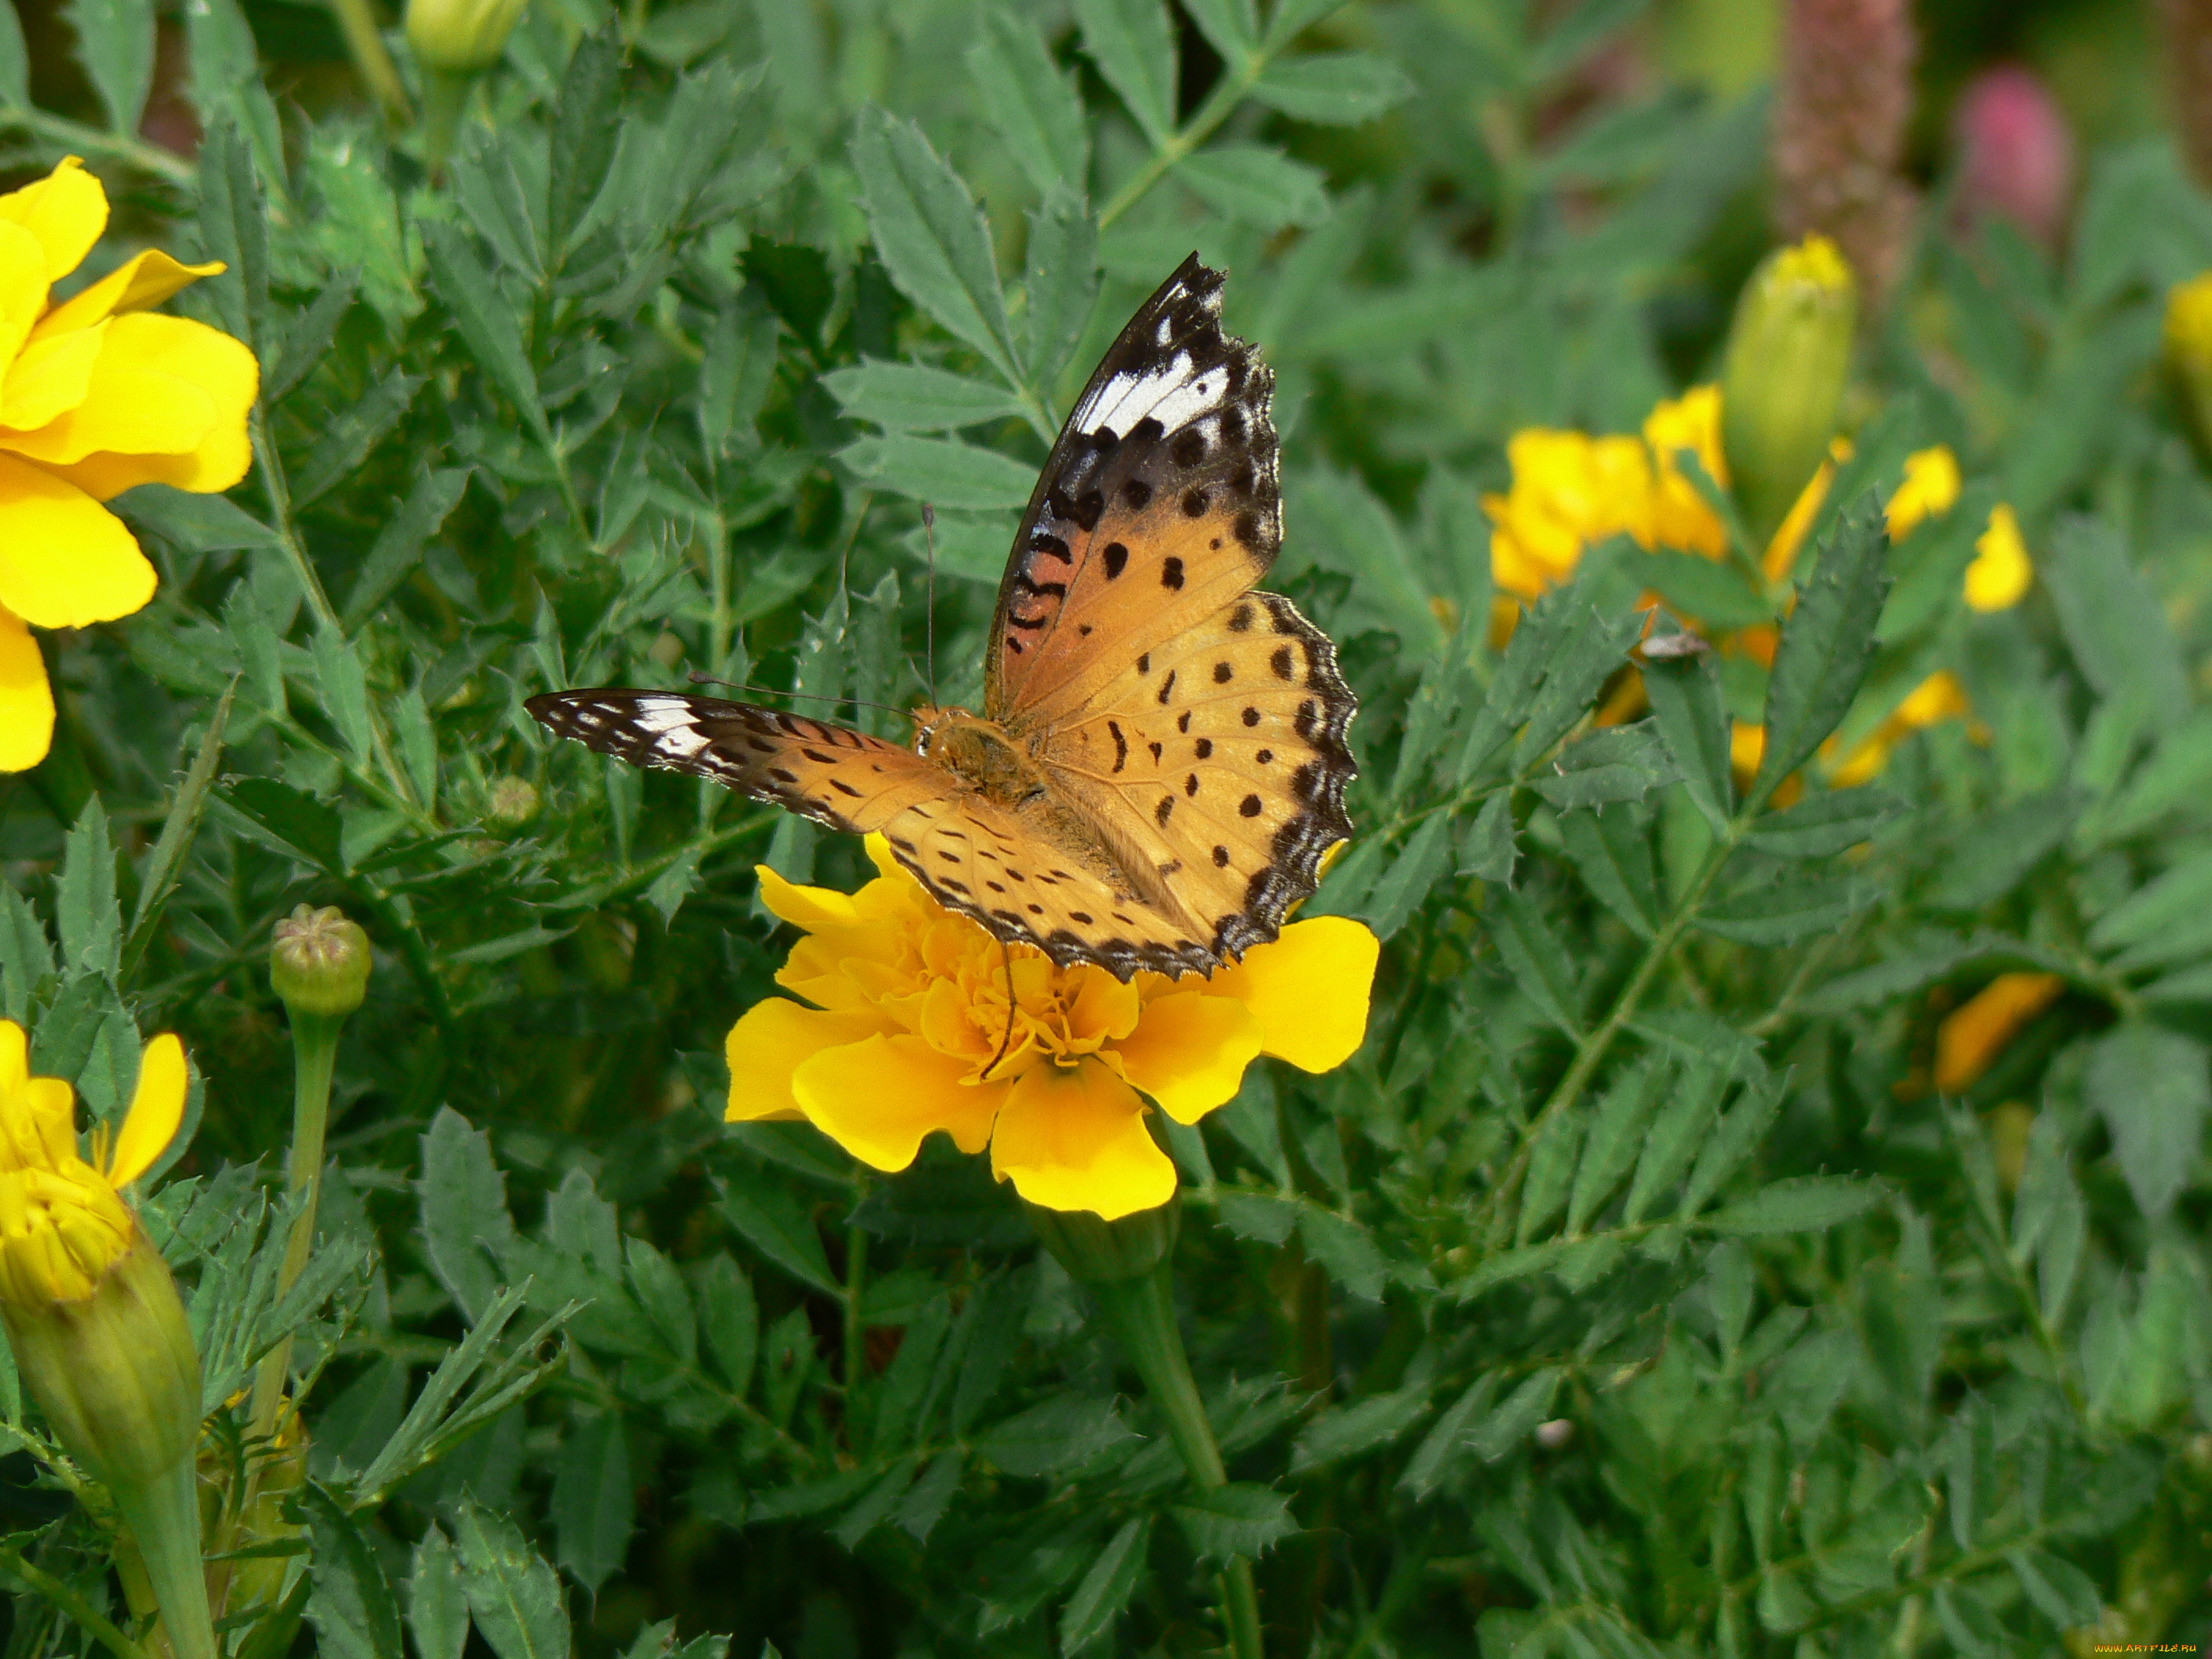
(1938, 698)
(62, 1221)
(1679, 515)
(97, 393)
(1929, 490)
(2000, 575)
(1972, 1037)
(913, 1030)
(1570, 492)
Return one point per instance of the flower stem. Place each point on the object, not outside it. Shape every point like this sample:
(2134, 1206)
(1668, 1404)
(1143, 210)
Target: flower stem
(1141, 1310)
(164, 1518)
(364, 42)
(314, 1049)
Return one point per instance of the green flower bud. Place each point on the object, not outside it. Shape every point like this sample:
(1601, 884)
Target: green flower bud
(460, 37)
(1789, 354)
(319, 965)
(1097, 1251)
(514, 803)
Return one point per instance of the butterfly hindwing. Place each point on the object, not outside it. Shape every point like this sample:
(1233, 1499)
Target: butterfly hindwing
(1219, 761)
(842, 779)
(1157, 507)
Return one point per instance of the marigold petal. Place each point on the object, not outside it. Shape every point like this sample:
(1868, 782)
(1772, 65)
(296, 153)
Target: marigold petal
(811, 907)
(2000, 575)
(1930, 490)
(881, 1099)
(157, 1108)
(23, 288)
(1972, 1037)
(163, 386)
(65, 561)
(1309, 990)
(50, 377)
(66, 211)
(1074, 1138)
(14, 1060)
(27, 702)
(1190, 1049)
(143, 280)
(773, 1040)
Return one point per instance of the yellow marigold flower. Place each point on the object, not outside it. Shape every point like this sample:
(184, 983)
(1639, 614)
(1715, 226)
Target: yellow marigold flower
(2000, 575)
(97, 393)
(1679, 516)
(1569, 490)
(1929, 490)
(911, 1031)
(1973, 1036)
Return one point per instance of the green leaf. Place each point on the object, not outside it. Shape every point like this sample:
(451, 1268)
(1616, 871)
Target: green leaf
(771, 1220)
(1827, 644)
(1615, 1138)
(594, 1501)
(931, 236)
(1441, 1447)
(1507, 1428)
(1345, 1251)
(1133, 43)
(1401, 888)
(915, 397)
(345, 691)
(1614, 763)
(736, 372)
(1488, 851)
(27, 956)
(352, 1607)
(483, 318)
(1716, 592)
(1036, 108)
(281, 817)
(437, 1611)
(513, 1595)
(1797, 1204)
(398, 545)
(1061, 282)
(2113, 622)
(163, 869)
(1340, 89)
(660, 1293)
(1254, 186)
(1612, 854)
(1788, 909)
(1686, 701)
(1821, 826)
(1684, 1124)
(1060, 1434)
(234, 228)
(586, 119)
(1541, 969)
(1240, 1519)
(85, 916)
(941, 471)
(1232, 27)
(1741, 1131)
(1995, 854)
(115, 44)
(357, 427)
(1588, 649)
(2151, 1087)
(15, 62)
(463, 1198)
(2061, 1591)
(1353, 1430)
(309, 337)
(1105, 1589)
(198, 524)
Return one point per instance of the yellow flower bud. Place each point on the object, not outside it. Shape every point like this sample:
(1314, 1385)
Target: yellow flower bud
(1789, 353)
(319, 965)
(2189, 349)
(460, 37)
(99, 1333)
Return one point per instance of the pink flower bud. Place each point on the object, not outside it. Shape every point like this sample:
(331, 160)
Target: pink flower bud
(2016, 152)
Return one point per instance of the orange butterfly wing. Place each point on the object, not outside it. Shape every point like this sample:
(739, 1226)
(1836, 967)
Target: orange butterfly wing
(1158, 507)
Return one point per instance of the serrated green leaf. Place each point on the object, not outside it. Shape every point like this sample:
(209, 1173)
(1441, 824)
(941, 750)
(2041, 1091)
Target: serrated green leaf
(1788, 909)
(1824, 825)
(1106, 1588)
(1033, 106)
(1133, 43)
(1827, 644)
(1741, 1131)
(1686, 702)
(915, 397)
(484, 319)
(463, 1199)
(1057, 1435)
(1798, 1204)
(1353, 1430)
(940, 471)
(437, 1611)
(1613, 855)
(2151, 1087)
(1541, 969)
(1254, 186)
(1240, 1519)
(1684, 1124)
(1060, 282)
(931, 236)
(774, 1222)
(1488, 852)
(286, 819)
(1615, 763)
(115, 44)
(514, 1596)
(1338, 88)
(1403, 888)
(1507, 1427)
(352, 1607)
(1615, 1138)
(594, 1502)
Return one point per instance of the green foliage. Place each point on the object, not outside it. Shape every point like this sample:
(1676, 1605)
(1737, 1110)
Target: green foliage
(1634, 1290)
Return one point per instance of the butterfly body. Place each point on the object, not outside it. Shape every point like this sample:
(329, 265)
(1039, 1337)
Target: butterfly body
(1159, 764)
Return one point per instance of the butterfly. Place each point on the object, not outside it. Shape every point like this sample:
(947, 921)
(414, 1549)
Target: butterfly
(1160, 762)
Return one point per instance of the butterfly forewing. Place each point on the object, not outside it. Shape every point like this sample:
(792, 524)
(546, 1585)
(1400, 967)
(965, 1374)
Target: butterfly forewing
(1158, 505)
(842, 779)
(1219, 760)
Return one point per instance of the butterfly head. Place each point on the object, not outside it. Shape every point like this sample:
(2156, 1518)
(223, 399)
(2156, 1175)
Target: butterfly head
(977, 751)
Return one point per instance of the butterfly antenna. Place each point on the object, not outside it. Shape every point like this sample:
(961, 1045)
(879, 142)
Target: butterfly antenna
(698, 678)
(1006, 962)
(929, 625)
